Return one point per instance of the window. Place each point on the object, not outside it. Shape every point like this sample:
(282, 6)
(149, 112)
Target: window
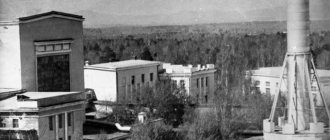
(197, 82)
(142, 78)
(206, 81)
(202, 82)
(151, 76)
(206, 99)
(49, 48)
(70, 118)
(267, 83)
(52, 46)
(276, 84)
(2, 124)
(53, 73)
(267, 90)
(50, 121)
(60, 121)
(69, 137)
(133, 80)
(182, 83)
(15, 123)
(257, 82)
(60, 138)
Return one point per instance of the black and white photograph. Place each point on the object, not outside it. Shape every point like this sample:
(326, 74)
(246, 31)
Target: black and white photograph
(164, 69)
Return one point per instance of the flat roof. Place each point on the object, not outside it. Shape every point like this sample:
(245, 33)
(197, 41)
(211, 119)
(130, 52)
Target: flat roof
(48, 14)
(43, 95)
(123, 64)
(46, 98)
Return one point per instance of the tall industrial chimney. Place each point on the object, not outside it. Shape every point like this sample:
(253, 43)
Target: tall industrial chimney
(300, 120)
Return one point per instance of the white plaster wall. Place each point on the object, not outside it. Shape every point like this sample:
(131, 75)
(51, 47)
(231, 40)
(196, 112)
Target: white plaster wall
(10, 60)
(103, 82)
(24, 122)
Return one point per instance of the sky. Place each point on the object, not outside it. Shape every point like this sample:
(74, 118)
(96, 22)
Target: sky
(162, 12)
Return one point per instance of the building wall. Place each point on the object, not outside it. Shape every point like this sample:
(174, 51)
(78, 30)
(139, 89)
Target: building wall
(324, 83)
(48, 29)
(128, 92)
(103, 82)
(75, 131)
(25, 122)
(205, 93)
(10, 60)
(190, 82)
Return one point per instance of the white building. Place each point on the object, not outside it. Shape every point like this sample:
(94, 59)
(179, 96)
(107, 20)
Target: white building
(199, 81)
(267, 80)
(121, 81)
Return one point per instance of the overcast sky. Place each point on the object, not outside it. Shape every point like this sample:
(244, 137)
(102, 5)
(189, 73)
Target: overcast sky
(162, 11)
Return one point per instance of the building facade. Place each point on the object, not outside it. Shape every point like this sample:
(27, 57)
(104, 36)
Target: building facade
(122, 81)
(267, 80)
(198, 82)
(42, 52)
(43, 116)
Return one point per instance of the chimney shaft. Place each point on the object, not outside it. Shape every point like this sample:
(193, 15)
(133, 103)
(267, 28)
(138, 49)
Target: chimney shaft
(298, 26)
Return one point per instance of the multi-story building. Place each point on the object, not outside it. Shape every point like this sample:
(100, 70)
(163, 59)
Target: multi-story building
(267, 80)
(198, 82)
(42, 115)
(121, 81)
(42, 52)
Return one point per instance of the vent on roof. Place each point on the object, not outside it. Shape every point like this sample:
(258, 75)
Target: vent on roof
(22, 97)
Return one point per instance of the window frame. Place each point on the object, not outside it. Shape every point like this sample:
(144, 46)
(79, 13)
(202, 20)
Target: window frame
(15, 123)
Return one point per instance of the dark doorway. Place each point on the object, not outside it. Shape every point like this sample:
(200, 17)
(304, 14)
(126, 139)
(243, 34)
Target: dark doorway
(53, 73)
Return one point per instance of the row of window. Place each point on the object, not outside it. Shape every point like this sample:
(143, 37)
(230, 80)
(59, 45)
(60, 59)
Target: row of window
(51, 120)
(15, 124)
(151, 78)
(202, 82)
(52, 47)
(267, 83)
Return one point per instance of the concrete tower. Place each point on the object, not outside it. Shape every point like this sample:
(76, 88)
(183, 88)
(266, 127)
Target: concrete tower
(300, 120)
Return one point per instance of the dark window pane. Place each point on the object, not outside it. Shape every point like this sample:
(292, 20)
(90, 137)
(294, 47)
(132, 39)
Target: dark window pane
(15, 123)
(60, 121)
(50, 122)
(53, 73)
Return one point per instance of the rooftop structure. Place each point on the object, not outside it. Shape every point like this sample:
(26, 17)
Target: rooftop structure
(198, 82)
(122, 81)
(33, 46)
(121, 65)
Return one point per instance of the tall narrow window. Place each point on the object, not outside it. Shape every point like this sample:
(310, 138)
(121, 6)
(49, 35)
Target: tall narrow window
(70, 119)
(206, 81)
(151, 76)
(142, 78)
(197, 82)
(202, 82)
(133, 80)
(15, 123)
(60, 121)
(51, 124)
